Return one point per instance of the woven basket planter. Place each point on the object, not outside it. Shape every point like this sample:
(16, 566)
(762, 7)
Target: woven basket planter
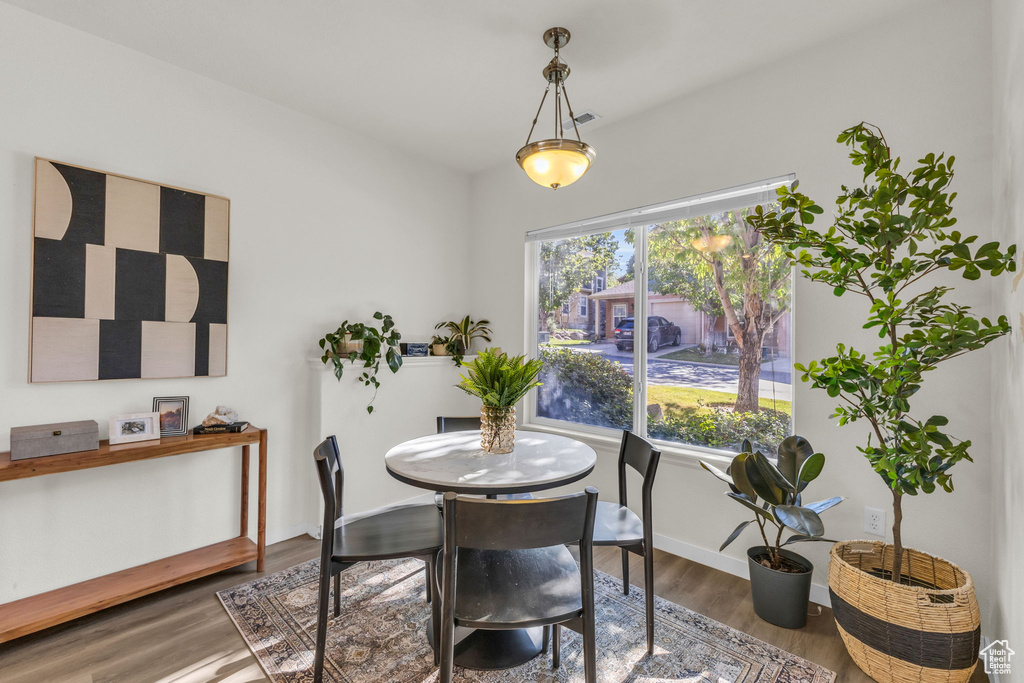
(928, 632)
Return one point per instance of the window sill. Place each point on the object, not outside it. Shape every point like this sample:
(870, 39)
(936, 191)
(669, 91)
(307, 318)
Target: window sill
(673, 454)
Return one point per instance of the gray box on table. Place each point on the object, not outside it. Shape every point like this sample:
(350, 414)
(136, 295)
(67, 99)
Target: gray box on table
(36, 441)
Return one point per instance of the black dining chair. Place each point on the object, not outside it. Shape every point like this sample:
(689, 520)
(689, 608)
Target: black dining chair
(405, 531)
(617, 525)
(446, 425)
(505, 566)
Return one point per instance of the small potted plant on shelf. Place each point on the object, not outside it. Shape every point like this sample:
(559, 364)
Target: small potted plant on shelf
(439, 346)
(780, 580)
(499, 381)
(889, 234)
(460, 336)
(366, 344)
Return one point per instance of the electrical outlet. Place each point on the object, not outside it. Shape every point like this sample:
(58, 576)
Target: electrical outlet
(874, 521)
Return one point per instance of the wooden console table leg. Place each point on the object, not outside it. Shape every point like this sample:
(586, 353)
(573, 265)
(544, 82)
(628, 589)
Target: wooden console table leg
(244, 529)
(261, 523)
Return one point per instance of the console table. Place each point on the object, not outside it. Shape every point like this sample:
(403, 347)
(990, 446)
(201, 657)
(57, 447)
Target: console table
(36, 612)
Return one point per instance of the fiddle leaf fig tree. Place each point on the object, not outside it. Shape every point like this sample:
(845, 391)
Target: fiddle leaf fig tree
(889, 234)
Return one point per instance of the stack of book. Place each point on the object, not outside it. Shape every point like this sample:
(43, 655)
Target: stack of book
(224, 428)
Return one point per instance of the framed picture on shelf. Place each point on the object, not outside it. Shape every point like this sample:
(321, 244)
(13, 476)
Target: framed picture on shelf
(173, 411)
(134, 427)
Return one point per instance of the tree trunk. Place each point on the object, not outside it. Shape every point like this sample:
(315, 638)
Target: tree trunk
(897, 536)
(748, 390)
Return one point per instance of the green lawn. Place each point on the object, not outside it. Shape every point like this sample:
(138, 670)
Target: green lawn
(698, 357)
(680, 399)
(566, 342)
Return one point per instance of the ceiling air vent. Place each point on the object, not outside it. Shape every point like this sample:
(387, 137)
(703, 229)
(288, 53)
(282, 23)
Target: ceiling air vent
(581, 120)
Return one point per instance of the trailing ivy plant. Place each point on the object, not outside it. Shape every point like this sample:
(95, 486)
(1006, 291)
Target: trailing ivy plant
(461, 334)
(888, 235)
(377, 344)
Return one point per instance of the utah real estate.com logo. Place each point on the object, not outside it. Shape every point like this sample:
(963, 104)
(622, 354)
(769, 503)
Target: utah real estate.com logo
(997, 657)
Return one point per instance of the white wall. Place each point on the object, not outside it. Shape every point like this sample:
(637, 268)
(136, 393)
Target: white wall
(326, 225)
(924, 77)
(1006, 616)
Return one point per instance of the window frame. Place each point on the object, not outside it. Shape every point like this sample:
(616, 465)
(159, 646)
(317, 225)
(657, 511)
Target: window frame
(582, 309)
(605, 438)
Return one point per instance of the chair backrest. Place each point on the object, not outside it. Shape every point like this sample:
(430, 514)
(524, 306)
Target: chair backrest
(332, 484)
(457, 424)
(519, 524)
(643, 457)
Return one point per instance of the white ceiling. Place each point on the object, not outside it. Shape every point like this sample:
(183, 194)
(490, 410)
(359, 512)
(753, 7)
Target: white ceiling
(459, 80)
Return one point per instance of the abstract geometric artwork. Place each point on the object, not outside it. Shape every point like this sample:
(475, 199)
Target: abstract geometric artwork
(129, 278)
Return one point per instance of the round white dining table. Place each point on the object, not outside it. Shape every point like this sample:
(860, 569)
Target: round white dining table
(454, 461)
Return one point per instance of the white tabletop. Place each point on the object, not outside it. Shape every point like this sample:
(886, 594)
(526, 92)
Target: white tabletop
(455, 462)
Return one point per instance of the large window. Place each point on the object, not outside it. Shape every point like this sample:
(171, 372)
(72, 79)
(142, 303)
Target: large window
(696, 349)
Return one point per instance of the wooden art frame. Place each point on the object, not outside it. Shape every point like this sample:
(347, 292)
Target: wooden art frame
(129, 278)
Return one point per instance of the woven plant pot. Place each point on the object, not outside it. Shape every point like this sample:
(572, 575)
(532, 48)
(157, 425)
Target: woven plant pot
(497, 429)
(927, 632)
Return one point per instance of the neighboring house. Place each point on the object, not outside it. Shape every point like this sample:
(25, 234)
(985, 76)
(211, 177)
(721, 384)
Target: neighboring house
(697, 327)
(580, 313)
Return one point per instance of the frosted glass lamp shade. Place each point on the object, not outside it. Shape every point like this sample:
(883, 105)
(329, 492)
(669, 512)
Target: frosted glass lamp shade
(556, 163)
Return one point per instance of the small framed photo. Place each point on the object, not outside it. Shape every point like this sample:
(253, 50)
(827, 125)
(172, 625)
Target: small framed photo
(134, 427)
(173, 412)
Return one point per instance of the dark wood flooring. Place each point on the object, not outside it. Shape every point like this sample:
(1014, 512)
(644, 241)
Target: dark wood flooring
(183, 635)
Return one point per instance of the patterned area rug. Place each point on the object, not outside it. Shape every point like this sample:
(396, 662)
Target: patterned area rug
(381, 635)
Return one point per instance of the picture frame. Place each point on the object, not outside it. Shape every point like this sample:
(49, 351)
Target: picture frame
(134, 427)
(173, 412)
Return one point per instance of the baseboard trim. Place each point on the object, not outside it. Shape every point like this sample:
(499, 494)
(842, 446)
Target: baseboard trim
(725, 563)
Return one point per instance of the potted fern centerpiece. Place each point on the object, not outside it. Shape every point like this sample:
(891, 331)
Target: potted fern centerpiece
(499, 381)
(903, 614)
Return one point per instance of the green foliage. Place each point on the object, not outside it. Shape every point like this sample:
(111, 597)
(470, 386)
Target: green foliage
(378, 343)
(724, 429)
(889, 234)
(773, 491)
(461, 334)
(722, 266)
(586, 388)
(567, 265)
(499, 380)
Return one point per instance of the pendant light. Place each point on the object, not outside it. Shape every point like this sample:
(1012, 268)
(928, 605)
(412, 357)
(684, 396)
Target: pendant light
(558, 161)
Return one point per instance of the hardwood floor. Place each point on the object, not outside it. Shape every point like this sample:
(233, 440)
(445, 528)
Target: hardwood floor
(183, 635)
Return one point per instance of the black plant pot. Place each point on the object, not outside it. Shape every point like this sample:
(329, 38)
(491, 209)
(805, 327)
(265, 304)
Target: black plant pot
(780, 598)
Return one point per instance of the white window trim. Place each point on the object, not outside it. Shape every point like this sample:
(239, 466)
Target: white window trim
(583, 304)
(603, 438)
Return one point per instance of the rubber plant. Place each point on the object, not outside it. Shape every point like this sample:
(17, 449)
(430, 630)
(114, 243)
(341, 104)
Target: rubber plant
(460, 336)
(773, 491)
(889, 235)
(378, 343)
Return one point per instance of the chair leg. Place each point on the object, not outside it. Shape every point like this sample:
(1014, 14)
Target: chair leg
(337, 595)
(446, 640)
(625, 571)
(556, 646)
(435, 615)
(589, 647)
(545, 639)
(649, 597)
(321, 627)
(430, 577)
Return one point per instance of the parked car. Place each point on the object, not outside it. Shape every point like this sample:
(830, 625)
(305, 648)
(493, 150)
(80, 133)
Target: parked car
(660, 332)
